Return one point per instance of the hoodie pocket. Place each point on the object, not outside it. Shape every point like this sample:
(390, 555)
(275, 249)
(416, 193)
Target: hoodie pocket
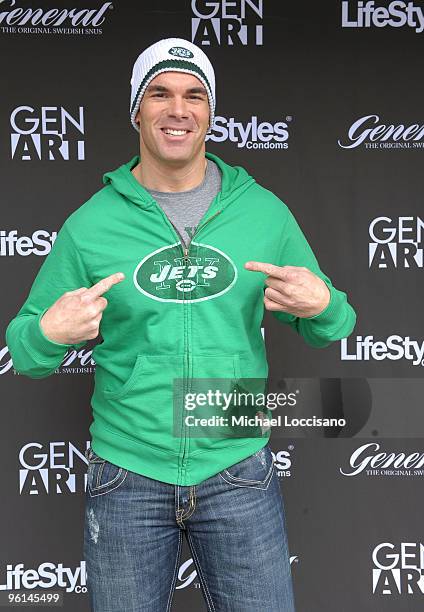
(149, 407)
(165, 367)
(142, 407)
(135, 373)
(150, 375)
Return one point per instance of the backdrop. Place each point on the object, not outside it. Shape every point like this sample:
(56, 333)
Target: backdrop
(321, 103)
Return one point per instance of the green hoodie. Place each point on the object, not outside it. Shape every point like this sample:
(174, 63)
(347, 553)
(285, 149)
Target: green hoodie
(176, 315)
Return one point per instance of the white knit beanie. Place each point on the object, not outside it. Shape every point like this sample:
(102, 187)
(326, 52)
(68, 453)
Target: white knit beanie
(171, 54)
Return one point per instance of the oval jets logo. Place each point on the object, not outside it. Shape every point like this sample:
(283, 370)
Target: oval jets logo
(180, 52)
(164, 275)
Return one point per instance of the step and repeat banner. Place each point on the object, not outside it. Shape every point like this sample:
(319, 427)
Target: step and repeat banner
(321, 103)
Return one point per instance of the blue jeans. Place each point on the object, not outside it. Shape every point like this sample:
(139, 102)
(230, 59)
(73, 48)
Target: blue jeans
(234, 523)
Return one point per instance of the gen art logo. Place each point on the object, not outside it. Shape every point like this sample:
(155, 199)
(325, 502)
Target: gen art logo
(165, 275)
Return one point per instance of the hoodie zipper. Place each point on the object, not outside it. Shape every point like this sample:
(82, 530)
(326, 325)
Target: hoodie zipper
(186, 258)
(185, 251)
(187, 248)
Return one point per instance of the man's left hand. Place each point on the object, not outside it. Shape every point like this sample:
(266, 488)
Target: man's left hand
(292, 289)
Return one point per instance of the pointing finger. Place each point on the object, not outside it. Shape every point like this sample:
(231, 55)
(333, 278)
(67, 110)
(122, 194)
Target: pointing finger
(103, 285)
(77, 291)
(266, 268)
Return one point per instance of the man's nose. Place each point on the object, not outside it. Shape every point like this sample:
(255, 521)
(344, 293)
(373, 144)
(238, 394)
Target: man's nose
(178, 107)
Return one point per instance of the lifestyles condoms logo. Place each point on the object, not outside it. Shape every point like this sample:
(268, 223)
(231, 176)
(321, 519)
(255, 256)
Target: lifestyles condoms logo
(283, 460)
(254, 134)
(165, 275)
(393, 348)
(47, 575)
(39, 243)
(396, 14)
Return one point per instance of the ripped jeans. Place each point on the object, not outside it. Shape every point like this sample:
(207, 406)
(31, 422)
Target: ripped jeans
(234, 523)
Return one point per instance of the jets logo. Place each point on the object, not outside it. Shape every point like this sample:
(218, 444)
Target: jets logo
(165, 275)
(180, 52)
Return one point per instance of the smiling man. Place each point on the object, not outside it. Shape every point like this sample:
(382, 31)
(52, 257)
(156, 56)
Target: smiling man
(189, 250)
(178, 142)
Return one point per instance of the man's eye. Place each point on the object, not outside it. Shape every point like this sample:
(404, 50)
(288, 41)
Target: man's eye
(162, 94)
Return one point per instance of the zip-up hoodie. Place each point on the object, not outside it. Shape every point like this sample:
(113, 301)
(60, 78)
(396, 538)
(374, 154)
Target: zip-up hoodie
(178, 314)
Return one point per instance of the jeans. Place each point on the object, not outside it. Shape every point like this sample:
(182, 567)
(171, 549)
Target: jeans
(235, 527)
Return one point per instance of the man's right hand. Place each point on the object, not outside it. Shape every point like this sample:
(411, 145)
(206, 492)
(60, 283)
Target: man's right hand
(76, 315)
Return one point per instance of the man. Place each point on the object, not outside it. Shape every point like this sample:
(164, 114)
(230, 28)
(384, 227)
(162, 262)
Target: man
(189, 250)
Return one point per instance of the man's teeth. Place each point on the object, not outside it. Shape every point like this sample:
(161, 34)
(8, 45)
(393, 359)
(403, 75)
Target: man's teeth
(176, 132)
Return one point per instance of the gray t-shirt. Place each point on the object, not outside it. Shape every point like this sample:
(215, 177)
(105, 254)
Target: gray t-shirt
(185, 208)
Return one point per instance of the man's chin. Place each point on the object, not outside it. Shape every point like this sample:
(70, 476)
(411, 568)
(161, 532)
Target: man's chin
(176, 156)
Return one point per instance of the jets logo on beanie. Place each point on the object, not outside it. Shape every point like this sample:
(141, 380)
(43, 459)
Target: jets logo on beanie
(174, 54)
